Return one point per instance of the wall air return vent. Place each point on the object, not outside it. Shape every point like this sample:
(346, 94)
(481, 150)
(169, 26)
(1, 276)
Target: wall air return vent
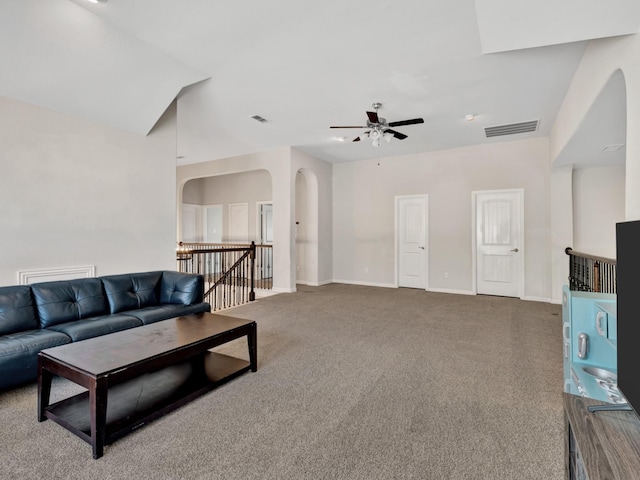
(511, 129)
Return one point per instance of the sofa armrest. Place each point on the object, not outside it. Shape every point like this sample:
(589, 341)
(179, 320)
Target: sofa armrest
(181, 288)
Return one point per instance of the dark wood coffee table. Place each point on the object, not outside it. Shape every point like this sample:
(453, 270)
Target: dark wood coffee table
(137, 375)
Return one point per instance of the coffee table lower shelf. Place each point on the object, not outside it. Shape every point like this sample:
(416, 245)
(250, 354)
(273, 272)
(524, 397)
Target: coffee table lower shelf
(141, 400)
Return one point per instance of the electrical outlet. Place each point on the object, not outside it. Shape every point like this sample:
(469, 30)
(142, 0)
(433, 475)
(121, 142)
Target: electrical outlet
(446, 275)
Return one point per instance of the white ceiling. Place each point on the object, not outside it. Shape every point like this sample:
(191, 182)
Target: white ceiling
(304, 66)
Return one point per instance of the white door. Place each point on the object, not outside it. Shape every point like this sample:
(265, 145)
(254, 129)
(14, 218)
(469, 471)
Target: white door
(412, 241)
(190, 223)
(239, 223)
(212, 219)
(499, 243)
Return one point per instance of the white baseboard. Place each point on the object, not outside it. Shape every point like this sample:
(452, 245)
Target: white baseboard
(450, 290)
(429, 289)
(537, 299)
(314, 284)
(366, 284)
(283, 290)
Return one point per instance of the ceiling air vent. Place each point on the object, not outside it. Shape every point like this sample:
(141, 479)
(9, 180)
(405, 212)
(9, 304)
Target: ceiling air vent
(511, 129)
(259, 118)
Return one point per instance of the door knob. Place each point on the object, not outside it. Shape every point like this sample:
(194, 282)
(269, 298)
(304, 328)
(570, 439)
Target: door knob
(515, 250)
(421, 248)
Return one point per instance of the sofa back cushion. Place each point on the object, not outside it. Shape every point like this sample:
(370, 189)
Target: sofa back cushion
(181, 288)
(132, 291)
(17, 310)
(64, 301)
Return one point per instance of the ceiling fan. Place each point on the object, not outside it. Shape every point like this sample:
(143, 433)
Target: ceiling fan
(380, 128)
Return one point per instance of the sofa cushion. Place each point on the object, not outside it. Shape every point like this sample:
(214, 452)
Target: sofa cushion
(96, 326)
(132, 291)
(181, 288)
(63, 301)
(163, 312)
(17, 310)
(19, 354)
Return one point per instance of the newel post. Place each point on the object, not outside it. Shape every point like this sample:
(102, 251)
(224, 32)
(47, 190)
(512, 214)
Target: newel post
(252, 294)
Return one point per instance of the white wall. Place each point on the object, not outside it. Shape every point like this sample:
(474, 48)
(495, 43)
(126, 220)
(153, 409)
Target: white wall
(318, 177)
(363, 211)
(282, 164)
(77, 193)
(598, 204)
(602, 59)
(306, 228)
(305, 243)
(250, 187)
(561, 224)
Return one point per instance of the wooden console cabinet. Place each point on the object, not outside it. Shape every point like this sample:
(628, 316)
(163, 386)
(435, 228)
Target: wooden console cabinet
(600, 446)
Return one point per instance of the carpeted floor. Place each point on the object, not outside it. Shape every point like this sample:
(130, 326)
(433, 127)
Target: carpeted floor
(353, 383)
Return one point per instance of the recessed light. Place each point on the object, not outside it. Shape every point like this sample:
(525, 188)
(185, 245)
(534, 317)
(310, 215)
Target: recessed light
(97, 1)
(470, 117)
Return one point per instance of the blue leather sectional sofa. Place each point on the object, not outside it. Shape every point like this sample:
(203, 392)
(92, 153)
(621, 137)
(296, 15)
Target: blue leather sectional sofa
(44, 315)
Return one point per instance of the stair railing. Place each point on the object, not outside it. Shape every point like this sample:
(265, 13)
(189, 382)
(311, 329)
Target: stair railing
(591, 273)
(229, 272)
(263, 263)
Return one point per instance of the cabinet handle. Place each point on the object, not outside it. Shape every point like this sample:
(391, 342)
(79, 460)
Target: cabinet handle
(599, 326)
(583, 345)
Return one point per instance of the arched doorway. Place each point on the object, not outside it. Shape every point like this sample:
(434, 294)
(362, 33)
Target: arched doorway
(224, 208)
(306, 227)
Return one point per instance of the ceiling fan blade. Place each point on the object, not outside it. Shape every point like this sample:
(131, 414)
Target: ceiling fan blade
(357, 139)
(349, 126)
(398, 135)
(406, 122)
(373, 117)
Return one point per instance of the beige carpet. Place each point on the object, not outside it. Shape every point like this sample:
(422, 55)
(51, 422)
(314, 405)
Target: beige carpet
(353, 383)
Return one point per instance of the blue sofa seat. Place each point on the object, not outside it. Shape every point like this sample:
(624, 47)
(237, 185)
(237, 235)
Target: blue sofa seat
(44, 315)
(96, 326)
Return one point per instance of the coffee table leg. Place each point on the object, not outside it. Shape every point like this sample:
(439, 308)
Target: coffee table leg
(252, 340)
(44, 389)
(98, 399)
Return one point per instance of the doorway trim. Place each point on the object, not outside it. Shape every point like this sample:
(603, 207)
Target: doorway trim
(474, 233)
(396, 247)
(259, 205)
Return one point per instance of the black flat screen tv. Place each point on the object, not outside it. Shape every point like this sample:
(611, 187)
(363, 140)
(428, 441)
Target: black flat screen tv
(628, 303)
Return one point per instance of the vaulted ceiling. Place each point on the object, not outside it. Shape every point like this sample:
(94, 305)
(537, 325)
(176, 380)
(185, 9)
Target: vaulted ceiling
(304, 66)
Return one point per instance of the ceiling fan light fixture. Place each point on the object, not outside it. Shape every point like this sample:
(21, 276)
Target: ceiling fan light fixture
(379, 128)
